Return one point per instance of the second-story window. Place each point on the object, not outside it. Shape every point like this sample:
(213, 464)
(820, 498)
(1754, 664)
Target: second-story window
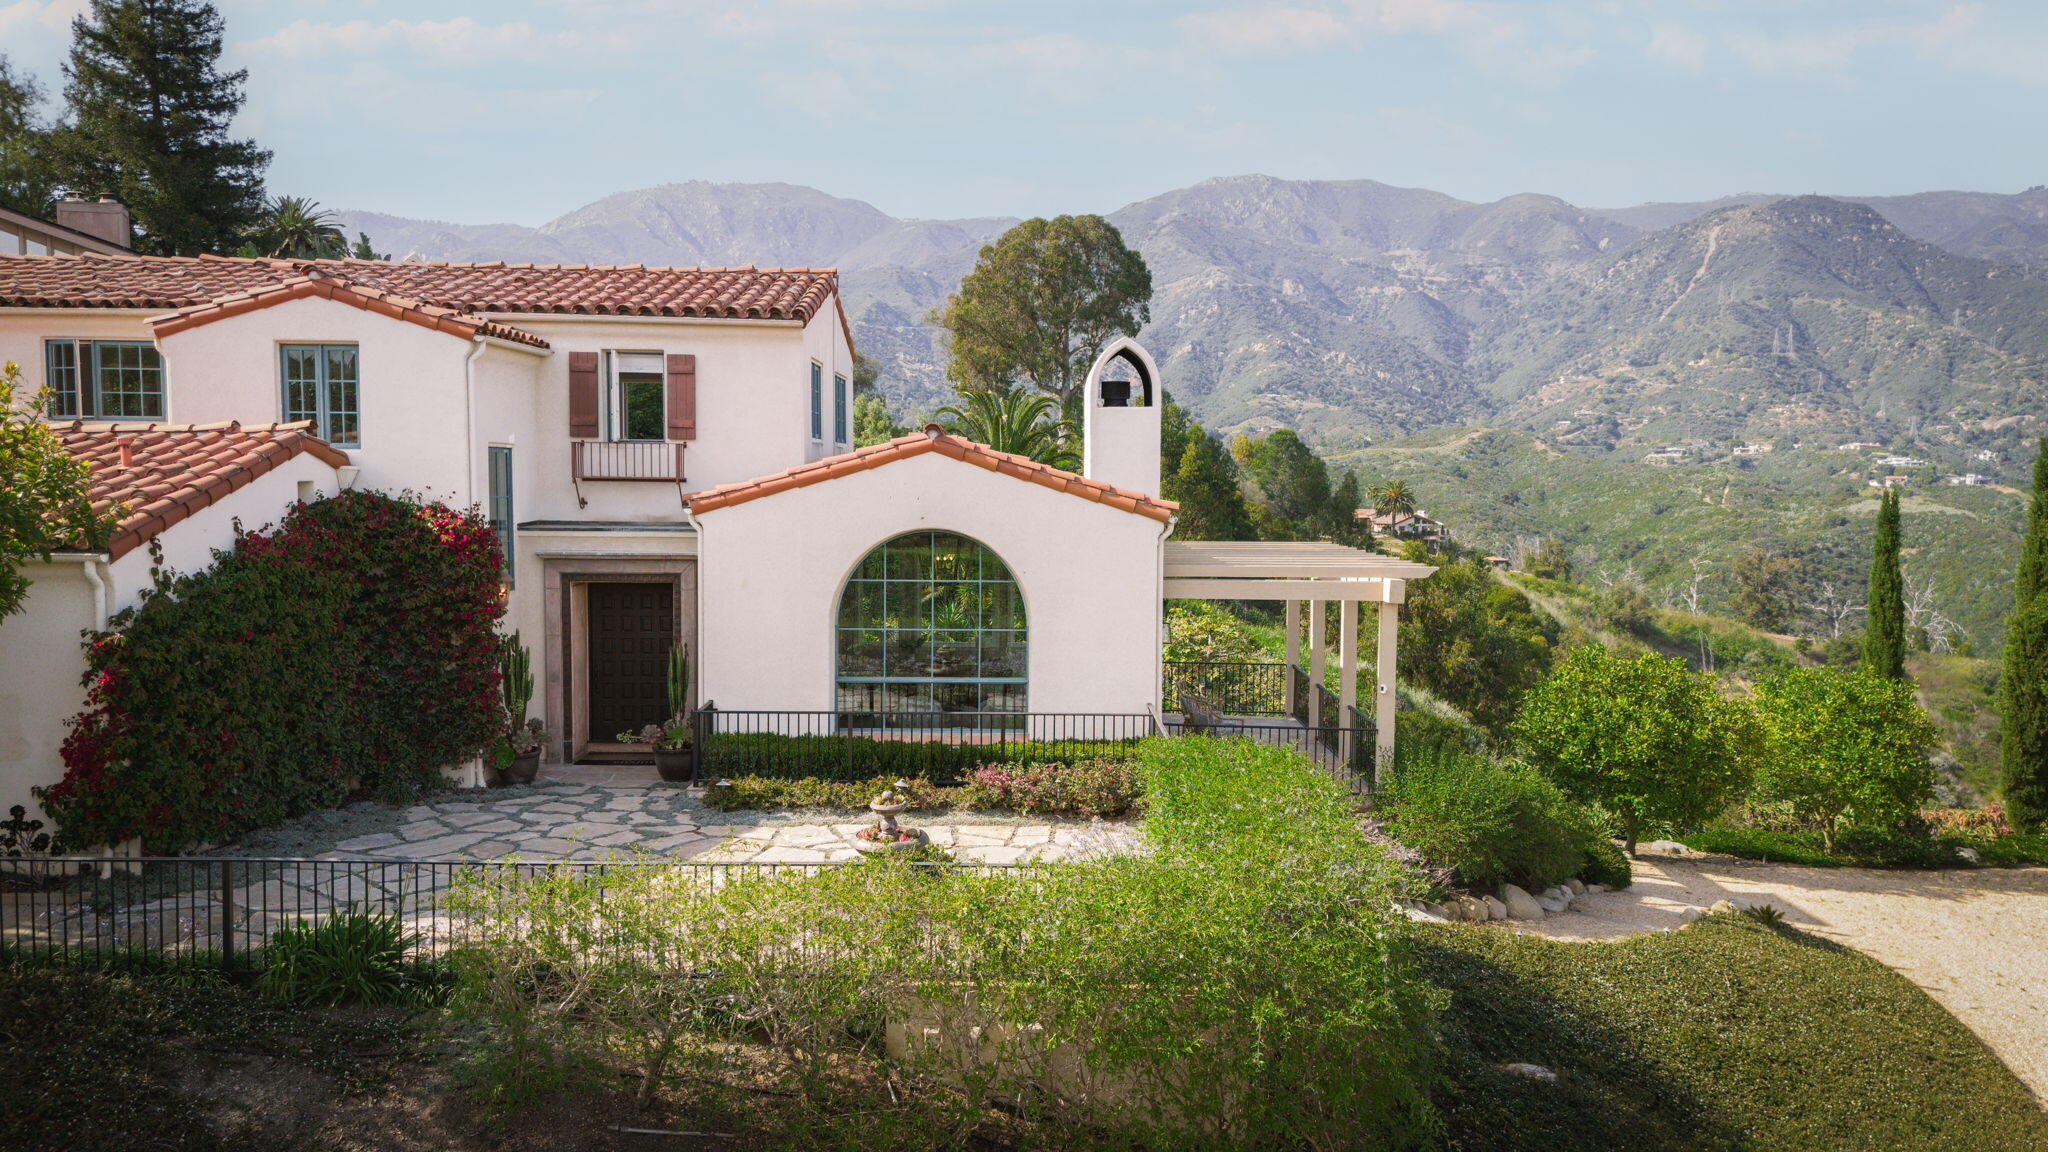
(320, 385)
(840, 401)
(817, 401)
(637, 396)
(104, 379)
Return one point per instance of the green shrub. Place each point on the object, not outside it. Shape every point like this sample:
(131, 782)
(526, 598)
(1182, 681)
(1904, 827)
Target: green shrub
(1845, 748)
(867, 758)
(1490, 822)
(356, 639)
(1606, 864)
(352, 957)
(1245, 985)
(1762, 844)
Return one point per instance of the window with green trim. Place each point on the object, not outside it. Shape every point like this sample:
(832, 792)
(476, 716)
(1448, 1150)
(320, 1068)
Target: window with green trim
(500, 507)
(931, 622)
(320, 385)
(104, 379)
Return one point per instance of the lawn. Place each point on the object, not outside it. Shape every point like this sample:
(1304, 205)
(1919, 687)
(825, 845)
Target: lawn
(1726, 1035)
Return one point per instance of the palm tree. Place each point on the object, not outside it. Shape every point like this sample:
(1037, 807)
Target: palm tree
(1009, 419)
(297, 228)
(1393, 499)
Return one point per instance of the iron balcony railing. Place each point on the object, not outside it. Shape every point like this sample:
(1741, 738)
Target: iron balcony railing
(651, 461)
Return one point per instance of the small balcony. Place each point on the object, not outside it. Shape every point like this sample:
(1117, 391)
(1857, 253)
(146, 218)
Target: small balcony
(630, 461)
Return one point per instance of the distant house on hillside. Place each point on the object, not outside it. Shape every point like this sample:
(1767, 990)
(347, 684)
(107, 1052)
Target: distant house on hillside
(1901, 462)
(1752, 449)
(1500, 562)
(1987, 456)
(1859, 446)
(1665, 457)
(1890, 481)
(1417, 525)
(1970, 478)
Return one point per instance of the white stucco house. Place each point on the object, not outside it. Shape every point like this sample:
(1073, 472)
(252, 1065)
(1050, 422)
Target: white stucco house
(667, 455)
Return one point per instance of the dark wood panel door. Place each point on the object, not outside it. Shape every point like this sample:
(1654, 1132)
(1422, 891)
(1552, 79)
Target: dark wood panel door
(632, 627)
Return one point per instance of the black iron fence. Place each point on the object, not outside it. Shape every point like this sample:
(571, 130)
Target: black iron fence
(223, 911)
(1241, 688)
(939, 746)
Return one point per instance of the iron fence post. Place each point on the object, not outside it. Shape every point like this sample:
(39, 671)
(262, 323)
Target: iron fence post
(227, 917)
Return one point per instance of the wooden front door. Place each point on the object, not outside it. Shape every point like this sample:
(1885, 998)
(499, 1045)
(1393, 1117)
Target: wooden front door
(632, 627)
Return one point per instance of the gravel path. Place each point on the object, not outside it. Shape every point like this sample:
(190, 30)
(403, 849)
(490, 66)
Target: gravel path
(1975, 940)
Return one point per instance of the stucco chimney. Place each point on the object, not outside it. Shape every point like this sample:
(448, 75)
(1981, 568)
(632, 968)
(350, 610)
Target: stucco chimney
(1120, 419)
(105, 218)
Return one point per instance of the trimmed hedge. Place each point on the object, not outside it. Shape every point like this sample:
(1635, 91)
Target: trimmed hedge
(355, 643)
(849, 758)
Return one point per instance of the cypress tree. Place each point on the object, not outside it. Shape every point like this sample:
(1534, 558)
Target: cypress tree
(2023, 679)
(1884, 640)
(1211, 505)
(150, 114)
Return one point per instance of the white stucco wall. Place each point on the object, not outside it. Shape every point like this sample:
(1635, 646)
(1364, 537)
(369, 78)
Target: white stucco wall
(771, 571)
(41, 662)
(410, 386)
(23, 330)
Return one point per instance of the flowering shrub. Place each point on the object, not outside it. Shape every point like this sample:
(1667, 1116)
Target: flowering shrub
(1083, 788)
(355, 642)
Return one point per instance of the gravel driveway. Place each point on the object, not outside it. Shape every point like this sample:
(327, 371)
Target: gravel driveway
(1976, 940)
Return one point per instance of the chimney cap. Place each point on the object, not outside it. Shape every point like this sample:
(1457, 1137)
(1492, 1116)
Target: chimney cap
(109, 198)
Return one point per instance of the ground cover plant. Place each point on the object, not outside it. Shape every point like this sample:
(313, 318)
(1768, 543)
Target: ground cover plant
(353, 645)
(1726, 1036)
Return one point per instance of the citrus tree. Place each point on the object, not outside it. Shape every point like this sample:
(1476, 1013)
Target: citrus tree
(1645, 737)
(1843, 747)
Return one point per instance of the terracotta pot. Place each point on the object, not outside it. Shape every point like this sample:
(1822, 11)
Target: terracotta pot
(676, 765)
(524, 767)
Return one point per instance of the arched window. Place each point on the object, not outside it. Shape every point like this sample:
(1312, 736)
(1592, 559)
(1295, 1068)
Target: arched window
(930, 622)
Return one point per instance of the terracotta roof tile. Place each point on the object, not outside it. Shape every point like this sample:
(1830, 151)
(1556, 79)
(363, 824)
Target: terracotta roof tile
(364, 296)
(159, 474)
(178, 282)
(946, 444)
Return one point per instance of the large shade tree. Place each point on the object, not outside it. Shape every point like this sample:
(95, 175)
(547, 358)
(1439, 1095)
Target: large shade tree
(1041, 302)
(26, 179)
(150, 112)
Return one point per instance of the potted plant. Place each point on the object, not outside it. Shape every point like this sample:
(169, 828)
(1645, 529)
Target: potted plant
(517, 757)
(673, 740)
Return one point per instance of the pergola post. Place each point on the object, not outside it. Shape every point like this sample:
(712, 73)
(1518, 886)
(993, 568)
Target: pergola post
(1316, 643)
(1383, 694)
(1347, 671)
(1293, 653)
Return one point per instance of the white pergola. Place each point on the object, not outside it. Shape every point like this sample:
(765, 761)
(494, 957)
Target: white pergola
(1311, 573)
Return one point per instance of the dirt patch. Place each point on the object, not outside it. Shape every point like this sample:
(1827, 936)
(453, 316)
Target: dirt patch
(1975, 940)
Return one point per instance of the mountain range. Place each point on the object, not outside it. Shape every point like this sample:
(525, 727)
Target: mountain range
(1358, 312)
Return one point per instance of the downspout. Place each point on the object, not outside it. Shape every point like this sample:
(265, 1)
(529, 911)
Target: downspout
(100, 574)
(469, 415)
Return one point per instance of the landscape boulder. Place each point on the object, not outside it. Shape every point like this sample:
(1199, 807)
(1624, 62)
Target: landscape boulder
(1520, 905)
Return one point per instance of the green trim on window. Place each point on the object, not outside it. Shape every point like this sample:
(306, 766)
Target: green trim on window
(499, 507)
(104, 379)
(930, 622)
(321, 383)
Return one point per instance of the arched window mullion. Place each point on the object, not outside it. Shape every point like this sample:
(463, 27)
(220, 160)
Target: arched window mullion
(930, 622)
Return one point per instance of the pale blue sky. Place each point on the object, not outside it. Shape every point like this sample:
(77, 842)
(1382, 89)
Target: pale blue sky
(520, 111)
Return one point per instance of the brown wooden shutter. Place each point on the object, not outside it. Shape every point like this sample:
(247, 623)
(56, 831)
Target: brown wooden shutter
(682, 396)
(583, 395)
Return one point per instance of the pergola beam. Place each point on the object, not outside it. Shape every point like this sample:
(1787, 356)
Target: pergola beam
(1195, 588)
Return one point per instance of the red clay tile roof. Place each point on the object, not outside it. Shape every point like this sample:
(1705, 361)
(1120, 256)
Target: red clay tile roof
(362, 296)
(932, 439)
(744, 293)
(160, 474)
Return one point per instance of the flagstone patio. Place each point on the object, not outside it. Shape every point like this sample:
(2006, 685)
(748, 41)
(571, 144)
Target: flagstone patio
(581, 820)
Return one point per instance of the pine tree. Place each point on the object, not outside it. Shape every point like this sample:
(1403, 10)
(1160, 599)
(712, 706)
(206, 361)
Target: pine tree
(150, 114)
(26, 180)
(2023, 682)
(1205, 483)
(1884, 640)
